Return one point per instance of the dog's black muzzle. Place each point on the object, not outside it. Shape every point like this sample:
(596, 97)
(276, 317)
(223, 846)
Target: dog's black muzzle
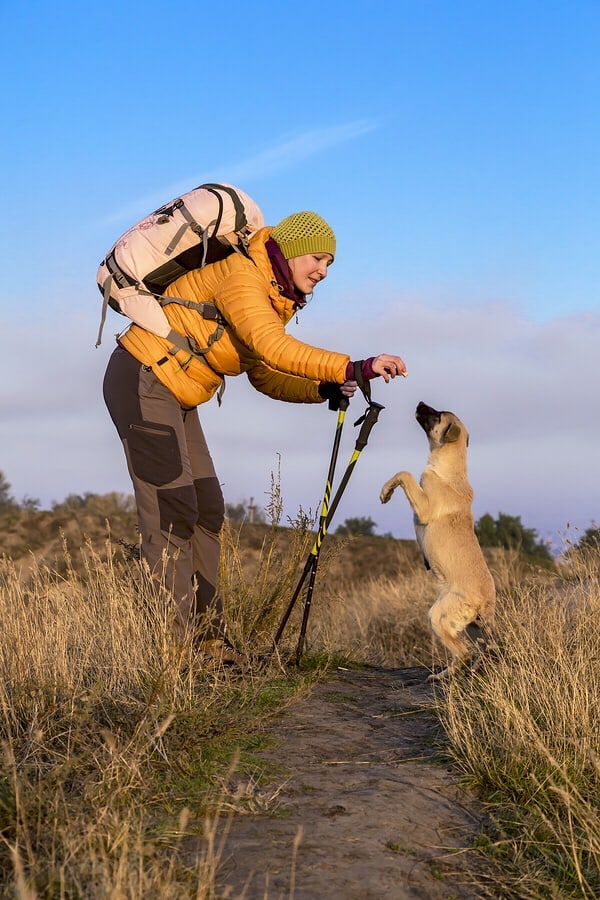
(427, 416)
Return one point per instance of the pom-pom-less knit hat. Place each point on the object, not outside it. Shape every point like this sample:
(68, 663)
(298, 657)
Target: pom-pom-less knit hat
(304, 232)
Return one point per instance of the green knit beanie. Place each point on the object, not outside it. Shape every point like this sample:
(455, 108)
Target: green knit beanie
(302, 233)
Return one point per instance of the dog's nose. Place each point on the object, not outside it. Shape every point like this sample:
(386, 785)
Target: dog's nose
(427, 416)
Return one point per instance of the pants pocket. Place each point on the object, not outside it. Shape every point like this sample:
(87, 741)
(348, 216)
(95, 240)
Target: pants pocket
(154, 453)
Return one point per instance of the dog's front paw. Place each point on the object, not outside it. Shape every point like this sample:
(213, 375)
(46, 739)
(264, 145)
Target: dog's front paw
(386, 492)
(390, 486)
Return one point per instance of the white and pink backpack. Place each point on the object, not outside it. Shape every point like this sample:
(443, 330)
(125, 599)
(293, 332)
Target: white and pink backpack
(200, 227)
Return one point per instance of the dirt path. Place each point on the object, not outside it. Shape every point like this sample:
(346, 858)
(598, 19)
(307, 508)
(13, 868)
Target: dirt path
(370, 809)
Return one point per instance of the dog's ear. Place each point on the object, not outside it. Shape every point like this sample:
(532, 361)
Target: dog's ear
(452, 433)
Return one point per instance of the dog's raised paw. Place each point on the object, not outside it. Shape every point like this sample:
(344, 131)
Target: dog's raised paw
(386, 493)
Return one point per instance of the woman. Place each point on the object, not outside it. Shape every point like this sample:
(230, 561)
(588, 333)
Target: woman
(152, 389)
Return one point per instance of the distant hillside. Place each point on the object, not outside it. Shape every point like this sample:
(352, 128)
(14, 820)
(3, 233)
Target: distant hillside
(43, 535)
(108, 523)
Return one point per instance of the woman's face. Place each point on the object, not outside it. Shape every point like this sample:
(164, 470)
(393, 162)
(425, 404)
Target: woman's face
(309, 270)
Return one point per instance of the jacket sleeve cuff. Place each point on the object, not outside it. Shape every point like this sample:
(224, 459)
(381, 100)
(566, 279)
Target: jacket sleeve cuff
(366, 367)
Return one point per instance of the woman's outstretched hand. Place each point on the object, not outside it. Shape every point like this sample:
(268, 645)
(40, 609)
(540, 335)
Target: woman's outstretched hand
(389, 366)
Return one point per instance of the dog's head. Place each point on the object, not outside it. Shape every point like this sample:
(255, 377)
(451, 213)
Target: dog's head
(441, 427)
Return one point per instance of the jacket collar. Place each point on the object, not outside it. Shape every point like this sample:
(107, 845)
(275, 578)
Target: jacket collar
(283, 275)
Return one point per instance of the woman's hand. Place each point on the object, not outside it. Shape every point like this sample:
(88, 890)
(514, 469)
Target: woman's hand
(389, 366)
(348, 388)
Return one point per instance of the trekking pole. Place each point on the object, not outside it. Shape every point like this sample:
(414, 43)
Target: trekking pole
(368, 420)
(342, 406)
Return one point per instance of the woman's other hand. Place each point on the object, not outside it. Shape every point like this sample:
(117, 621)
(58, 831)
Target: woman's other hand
(348, 388)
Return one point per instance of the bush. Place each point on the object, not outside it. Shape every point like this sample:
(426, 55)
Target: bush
(362, 525)
(509, 533)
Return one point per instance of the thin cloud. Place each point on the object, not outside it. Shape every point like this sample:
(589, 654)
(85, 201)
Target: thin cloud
(295, 150)
(287, 153)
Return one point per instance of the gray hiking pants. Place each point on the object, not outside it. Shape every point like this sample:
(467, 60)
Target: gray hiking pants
(179, 499)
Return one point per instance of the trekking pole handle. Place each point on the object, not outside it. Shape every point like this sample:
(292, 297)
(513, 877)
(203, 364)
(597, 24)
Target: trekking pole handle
(337, 403)
(368, 421)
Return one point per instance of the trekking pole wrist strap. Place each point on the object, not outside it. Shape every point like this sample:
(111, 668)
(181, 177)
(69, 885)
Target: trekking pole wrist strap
(363, 384)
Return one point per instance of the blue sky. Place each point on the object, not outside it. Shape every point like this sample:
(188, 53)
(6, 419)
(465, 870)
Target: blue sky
(452, 146)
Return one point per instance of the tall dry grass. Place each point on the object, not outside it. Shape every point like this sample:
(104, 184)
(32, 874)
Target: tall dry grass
(376, 619)
(525, 728)
(123, 758)
(116, 776)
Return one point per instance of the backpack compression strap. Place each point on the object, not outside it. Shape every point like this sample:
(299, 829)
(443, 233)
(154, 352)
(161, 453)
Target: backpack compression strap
(207, 311)
(118, 277)
(240, 214)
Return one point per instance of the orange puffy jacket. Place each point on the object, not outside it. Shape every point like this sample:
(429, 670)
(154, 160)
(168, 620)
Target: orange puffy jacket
(254, 340)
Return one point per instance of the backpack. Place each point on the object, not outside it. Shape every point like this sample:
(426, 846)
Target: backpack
(199, 227)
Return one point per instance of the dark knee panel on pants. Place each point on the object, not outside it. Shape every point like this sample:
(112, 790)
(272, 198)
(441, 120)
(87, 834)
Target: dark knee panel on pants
(211, 507)
(204, 597)
(178, 510)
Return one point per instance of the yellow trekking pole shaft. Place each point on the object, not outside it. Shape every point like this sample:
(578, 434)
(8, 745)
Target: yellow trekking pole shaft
(368, 421)
(343, 406)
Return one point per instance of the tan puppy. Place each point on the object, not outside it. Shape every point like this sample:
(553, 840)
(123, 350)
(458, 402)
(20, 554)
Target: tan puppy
(462, 616)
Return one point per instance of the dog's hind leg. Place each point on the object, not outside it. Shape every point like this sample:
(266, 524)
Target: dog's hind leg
(449, 625)
(467, 645)
(443, 673)
(480, 636)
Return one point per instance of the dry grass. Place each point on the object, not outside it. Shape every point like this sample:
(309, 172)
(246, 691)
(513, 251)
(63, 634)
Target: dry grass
(117, 747)
(379, 621)
(116, 743)
(354, 613)
(526, 730)
(120, 752)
